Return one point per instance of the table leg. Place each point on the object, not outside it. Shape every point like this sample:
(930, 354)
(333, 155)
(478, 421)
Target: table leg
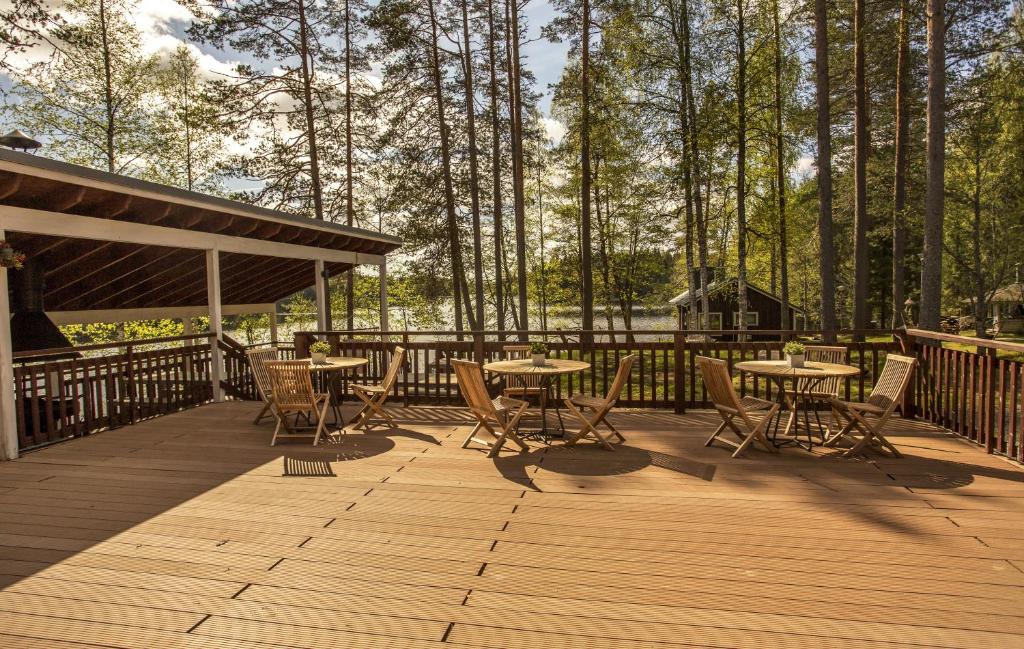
(333, 390)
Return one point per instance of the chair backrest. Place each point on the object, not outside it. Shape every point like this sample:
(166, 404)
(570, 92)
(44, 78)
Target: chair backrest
(473, 388)
(621, 376)
(824, 354)
(397, 359)
(522, 352)
(718, 383)
(892, 382)
(516, 352)
(292, 384)
(258, 359)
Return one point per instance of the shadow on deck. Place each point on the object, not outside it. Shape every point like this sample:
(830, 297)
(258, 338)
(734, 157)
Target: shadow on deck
(189, 530)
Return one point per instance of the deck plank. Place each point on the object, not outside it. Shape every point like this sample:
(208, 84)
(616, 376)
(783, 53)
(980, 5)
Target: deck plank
(190, 531)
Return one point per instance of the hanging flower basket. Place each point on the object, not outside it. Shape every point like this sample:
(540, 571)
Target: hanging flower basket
(11, 258)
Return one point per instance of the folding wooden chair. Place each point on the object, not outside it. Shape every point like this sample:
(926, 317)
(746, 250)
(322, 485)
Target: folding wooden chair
(819, 391)
(502, 413)
(863, 422)
(730, 406)
(527, 385)
(258, 358)
(374, 396)
(291, 392)
(600, 408)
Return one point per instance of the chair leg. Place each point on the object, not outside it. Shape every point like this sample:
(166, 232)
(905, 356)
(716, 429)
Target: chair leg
(472, 434)
(263, 412)
(277, 429)
(321, 423)
(718, 431)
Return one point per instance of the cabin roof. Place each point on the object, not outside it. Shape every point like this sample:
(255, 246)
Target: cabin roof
(682, 298)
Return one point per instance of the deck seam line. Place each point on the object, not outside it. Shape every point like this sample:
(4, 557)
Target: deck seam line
(447, 632)
(196, 625)
(240, 591)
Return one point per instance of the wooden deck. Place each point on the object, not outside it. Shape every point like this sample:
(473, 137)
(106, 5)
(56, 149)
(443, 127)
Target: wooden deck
(189, 531)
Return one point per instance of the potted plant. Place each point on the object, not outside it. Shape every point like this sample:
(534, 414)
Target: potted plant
(9, 257)
(539, 353)
(319, 351)
(794, 351)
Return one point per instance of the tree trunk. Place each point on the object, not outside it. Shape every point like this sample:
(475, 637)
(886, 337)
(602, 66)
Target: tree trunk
(682, 71)
(899, 228)
(474, 180)
(499, 288)
(603, 235)
(516, 112)
(934, 201)
(827, 252)
(446, 172)
(307, 100)
(780, 174)
(694, 149)
(979, 275)
(741, 166)
(861, 271)
(540, 214)
(585, 261)
(350, 290)
(108, 89)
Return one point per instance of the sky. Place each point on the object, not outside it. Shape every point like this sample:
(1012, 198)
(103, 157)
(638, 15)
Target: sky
(163, 24)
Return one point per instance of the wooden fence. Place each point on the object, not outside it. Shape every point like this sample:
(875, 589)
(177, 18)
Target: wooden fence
(978, 395)
(70, 397)
(665, 374)
(974, 388)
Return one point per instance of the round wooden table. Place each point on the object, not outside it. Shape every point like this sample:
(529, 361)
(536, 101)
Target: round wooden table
(334, 369)
(551, 368)
(805, 379)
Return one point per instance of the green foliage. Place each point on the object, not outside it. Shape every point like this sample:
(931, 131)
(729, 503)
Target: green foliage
(538, 347)
(794, 348)
(320, 347)
(93, 99)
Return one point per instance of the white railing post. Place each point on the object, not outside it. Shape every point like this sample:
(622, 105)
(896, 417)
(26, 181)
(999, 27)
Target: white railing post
(8, 420)
(216, 326)
(383, 269)
(322, 304)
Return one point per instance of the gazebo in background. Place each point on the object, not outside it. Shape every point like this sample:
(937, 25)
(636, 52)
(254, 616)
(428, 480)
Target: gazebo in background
(107, 248)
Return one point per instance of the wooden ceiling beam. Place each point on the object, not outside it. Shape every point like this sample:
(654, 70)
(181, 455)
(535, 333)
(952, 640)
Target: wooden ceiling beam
(10, 185)
(73, 198)
(281, 288)
(190, 262)
(262, 267)
(78, 288)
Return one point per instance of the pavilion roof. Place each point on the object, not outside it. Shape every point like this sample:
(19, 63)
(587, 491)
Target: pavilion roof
(84, 226)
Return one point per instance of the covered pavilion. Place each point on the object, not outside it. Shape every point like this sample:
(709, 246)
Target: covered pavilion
(103, 247)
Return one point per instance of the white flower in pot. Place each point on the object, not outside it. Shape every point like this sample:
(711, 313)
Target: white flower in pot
(794, 351)
(319, 351)
(539, 353)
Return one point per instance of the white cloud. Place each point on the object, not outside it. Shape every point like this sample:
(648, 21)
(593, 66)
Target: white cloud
(804, 167)
(554, 129)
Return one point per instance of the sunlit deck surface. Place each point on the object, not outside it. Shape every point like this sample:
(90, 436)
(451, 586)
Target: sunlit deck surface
(190, 531)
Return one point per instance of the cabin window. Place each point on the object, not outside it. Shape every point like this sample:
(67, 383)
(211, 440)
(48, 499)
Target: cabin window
(713, 320)
(752, 320)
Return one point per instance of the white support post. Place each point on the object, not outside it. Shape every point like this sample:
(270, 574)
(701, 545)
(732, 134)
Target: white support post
(216, 331)
(273, 326)
(322, 304)
(383, 269)
(8, 420)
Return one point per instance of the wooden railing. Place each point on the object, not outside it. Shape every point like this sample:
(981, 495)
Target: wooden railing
(976, 394)
(238, 381)
(971, 387)
(664, 376)
(113, 384)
